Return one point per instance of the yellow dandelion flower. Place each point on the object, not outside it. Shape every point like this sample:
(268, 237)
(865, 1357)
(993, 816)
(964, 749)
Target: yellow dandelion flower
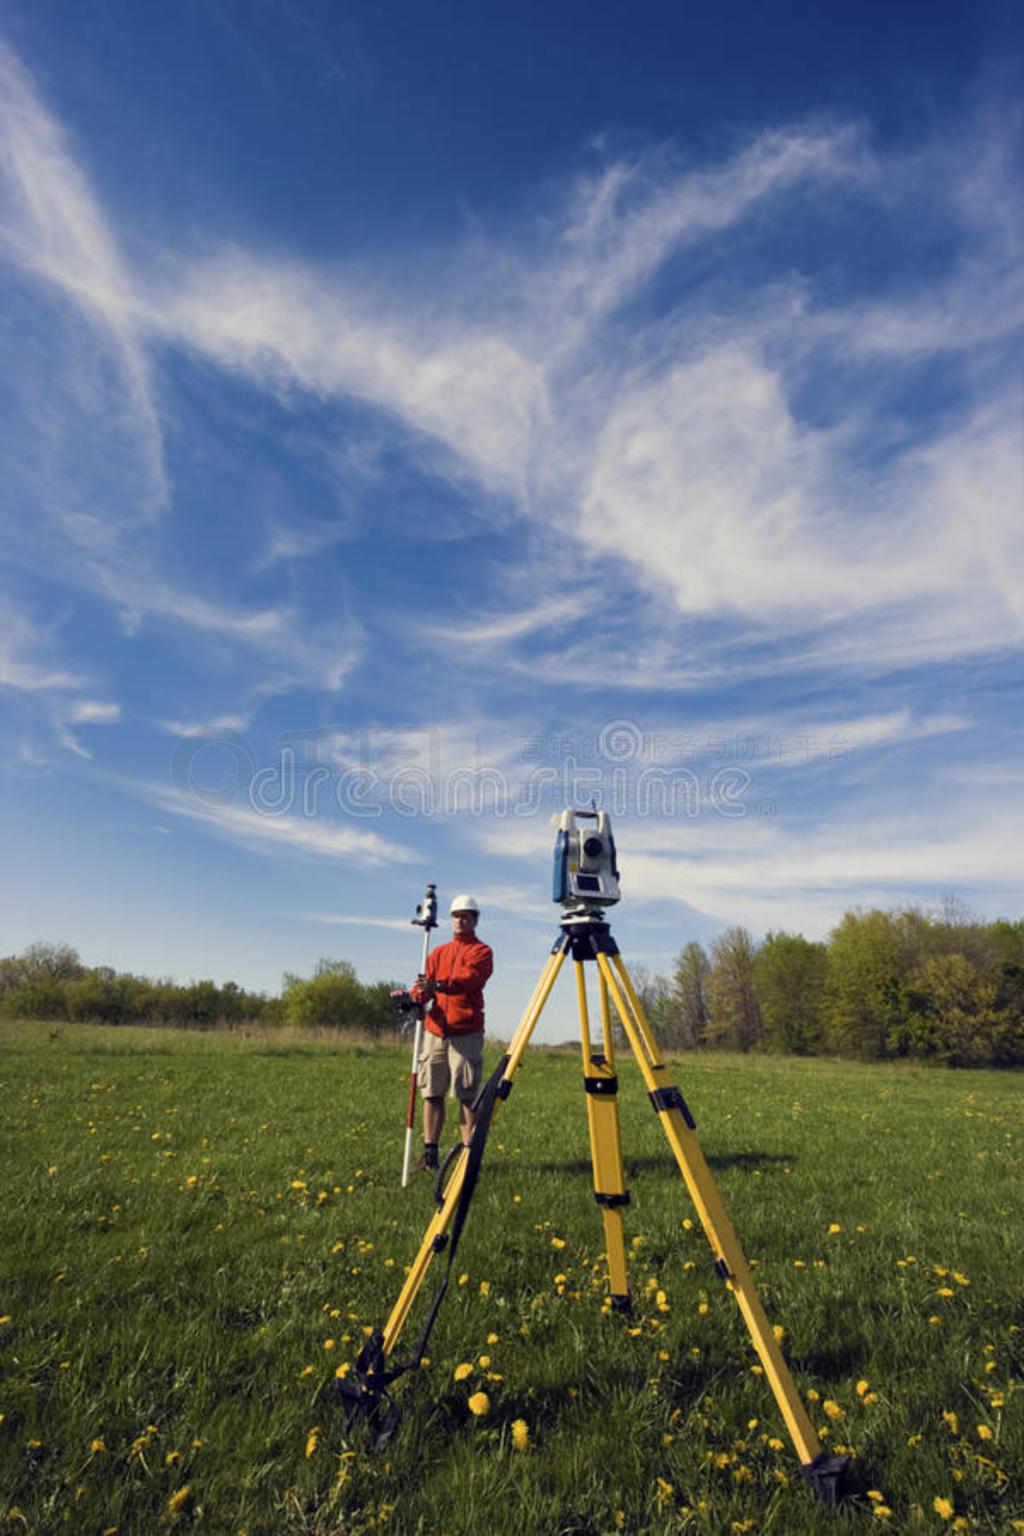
(665, 1491)
(479, 1404)
(558, 1242)
(343, 1369)
(520, 1434)
(833, 1409)
(882, 1512)
(492, 1338)
(862, 1387)
(944, 1290)
(485, 1286)
(177, 1501)
(876, 1496)
(834, 1228)
(952, 1420)
(312, 1441)
(97, 1448)
(462, 1371)
(943, 1508)
(984, 1433)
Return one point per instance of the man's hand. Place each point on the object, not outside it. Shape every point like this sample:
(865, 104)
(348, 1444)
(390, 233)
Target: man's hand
(426, 986)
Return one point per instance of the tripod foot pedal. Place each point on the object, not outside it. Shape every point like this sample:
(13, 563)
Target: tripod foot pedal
(621, 1302)
(825, 1475)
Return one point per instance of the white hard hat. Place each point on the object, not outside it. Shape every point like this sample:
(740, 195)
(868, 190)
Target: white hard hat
(464, 903)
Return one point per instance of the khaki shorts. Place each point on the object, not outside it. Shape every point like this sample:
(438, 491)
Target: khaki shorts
(451, 1063)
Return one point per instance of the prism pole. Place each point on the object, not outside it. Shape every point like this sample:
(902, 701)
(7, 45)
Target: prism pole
(426, 918)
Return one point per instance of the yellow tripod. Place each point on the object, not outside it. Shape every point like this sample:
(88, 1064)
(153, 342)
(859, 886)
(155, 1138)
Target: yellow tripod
(586, 936)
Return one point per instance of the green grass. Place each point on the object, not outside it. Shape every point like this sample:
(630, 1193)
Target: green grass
(197, 1229)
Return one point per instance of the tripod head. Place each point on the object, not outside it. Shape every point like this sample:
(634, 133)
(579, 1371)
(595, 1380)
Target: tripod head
(586, 874)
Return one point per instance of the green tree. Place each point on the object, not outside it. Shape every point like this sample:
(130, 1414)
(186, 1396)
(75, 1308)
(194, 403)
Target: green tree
(734, 1018)
(863, 1005)
(654, 996)
(42, 998)
(789, 981)
(953, 1014)
(41, 966)
(687, 1018)
(332, 998)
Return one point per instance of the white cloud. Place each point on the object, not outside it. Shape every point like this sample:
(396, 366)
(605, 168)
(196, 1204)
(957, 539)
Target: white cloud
(808, 879)
(498, 629)
(624, 224)
(219, 725)
(265, 833)
(23, 663)
(666, 442)
(94, 712)
(346, 920)
(53, 229)
(466, 386)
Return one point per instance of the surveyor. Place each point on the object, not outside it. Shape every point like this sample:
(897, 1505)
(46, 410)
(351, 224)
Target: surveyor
(453, 1032)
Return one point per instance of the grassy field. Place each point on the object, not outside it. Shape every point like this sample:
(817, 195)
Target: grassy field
(197, 1230)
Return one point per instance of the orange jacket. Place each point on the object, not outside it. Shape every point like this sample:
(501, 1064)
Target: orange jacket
(460, 969)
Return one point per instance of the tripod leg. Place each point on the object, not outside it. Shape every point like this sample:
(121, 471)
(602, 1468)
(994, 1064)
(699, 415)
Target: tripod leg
(730, 1263)
(434, 1239)
(602, 1087)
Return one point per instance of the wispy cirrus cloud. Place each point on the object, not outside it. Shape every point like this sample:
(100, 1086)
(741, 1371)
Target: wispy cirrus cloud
(52, 228)
(659, 423)
(26, 654)
(89, 496)
(287, 833)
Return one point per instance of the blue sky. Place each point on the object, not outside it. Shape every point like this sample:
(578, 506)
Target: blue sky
(416, 417)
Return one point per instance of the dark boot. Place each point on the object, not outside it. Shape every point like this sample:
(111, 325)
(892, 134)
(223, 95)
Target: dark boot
(427, 1160)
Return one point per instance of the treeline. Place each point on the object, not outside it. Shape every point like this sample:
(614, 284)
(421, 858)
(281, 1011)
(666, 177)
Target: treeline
(49, 981)
(884, 985)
